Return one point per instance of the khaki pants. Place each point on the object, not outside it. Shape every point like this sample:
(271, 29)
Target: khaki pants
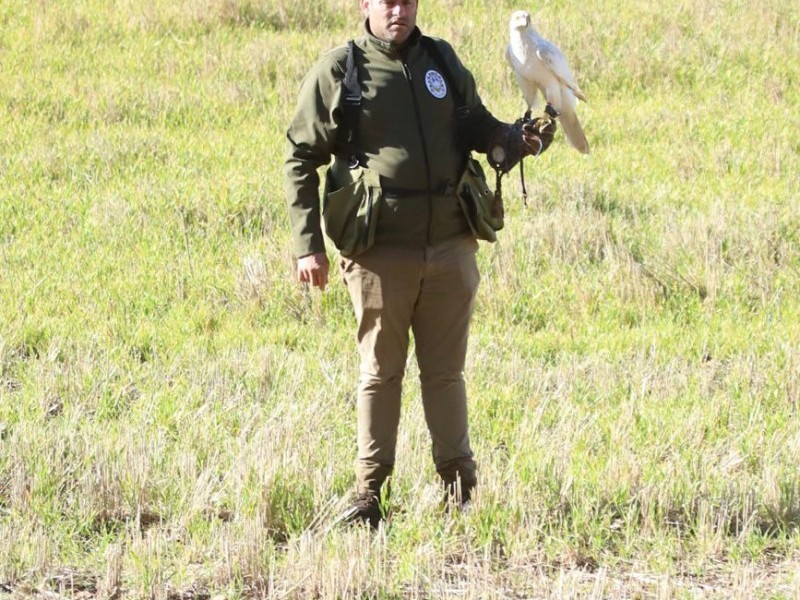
(431, 292)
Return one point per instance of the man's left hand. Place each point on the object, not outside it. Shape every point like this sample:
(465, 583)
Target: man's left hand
(526, 137)
(537, 134)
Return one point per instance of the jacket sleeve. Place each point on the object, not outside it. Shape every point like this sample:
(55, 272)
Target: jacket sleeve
(309, 144)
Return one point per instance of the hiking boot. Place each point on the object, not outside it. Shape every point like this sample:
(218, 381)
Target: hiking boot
(365, 509)
(458, 496)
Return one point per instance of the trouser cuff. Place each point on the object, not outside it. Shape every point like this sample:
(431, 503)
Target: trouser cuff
(372, 476)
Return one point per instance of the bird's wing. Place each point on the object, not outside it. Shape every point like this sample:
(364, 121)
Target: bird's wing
(529, 88)
(557, 64)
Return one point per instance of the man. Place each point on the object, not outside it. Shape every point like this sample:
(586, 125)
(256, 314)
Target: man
(390, 207)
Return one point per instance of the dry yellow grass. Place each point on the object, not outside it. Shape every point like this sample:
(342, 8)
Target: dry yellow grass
(177, 416)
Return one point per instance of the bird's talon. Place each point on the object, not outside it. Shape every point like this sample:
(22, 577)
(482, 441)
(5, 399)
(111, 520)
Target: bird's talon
(550, 111)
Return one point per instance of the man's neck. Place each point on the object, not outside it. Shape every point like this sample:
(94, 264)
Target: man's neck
(389, 46)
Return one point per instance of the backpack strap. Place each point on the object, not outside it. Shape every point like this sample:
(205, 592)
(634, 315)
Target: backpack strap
(351, 99)
(465, 116)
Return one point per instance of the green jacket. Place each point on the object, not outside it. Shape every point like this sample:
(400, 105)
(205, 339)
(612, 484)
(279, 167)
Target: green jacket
(407, 134)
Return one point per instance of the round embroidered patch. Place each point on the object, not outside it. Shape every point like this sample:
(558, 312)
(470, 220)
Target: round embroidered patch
(436, 84)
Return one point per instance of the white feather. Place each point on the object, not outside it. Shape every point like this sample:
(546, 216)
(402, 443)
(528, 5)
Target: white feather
(541, 67)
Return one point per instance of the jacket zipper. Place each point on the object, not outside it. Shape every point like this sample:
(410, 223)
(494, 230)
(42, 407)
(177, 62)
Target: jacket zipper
(407, 72)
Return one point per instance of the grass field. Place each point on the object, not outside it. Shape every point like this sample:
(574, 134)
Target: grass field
(177, 416)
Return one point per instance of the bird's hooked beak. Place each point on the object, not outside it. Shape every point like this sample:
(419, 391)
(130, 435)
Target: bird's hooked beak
(520, 19)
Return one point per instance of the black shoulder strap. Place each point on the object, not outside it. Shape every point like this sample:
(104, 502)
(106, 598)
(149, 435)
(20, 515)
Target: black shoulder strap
(351, 98)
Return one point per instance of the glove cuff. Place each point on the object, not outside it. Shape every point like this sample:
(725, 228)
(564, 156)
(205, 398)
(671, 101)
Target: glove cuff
(505, 147)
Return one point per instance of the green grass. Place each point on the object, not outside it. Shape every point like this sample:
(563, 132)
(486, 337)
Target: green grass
(177, 415)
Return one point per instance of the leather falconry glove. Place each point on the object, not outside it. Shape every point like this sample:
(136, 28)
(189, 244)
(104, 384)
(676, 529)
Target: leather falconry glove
(525, 137)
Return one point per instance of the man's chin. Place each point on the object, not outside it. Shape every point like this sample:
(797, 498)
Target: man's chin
(399, 34)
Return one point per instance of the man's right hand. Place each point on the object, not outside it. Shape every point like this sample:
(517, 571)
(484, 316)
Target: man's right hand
(313, 269)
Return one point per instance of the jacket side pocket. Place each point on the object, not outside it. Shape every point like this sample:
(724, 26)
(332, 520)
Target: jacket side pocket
(483, 211)
(349, 213)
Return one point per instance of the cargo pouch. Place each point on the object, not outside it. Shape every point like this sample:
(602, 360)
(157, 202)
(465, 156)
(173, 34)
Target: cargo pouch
(482, 207)
(350, 212)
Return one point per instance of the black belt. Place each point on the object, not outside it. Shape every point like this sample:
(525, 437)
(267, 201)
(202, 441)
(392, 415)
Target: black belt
(446, 189)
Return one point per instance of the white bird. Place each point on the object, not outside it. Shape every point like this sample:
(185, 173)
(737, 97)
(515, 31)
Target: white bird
(540, 66)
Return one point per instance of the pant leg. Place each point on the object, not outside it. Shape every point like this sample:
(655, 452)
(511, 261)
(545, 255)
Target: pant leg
(441, 327)
(383, 284)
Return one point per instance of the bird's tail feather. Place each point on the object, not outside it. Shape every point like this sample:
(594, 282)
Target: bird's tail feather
(574, 132)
